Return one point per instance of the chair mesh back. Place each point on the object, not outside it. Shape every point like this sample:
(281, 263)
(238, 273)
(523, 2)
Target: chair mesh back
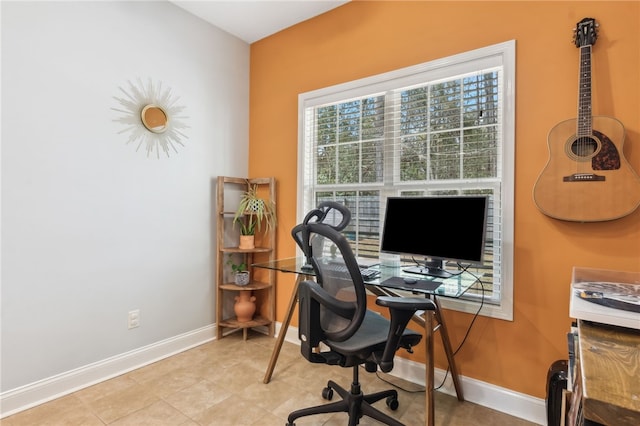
(337, 278)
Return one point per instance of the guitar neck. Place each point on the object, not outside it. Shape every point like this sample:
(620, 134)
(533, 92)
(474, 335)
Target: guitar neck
(584, 93)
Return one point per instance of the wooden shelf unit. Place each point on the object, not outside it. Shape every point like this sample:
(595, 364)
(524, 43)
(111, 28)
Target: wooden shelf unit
(607, 376)
(262, 282)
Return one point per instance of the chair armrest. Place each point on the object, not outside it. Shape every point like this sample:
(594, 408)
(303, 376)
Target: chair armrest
(401, 310)
(406, 303)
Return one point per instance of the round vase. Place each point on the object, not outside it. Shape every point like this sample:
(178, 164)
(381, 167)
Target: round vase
(245, 306)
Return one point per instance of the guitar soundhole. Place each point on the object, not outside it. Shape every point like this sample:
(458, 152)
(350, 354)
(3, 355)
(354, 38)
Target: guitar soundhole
(584, 147)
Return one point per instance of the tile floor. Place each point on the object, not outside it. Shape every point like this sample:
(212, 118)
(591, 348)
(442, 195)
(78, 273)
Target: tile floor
(220, 383)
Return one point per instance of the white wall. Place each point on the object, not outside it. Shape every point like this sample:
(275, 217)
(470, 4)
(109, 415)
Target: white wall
(92, 229)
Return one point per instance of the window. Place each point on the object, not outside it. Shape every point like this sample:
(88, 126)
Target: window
(445, 127)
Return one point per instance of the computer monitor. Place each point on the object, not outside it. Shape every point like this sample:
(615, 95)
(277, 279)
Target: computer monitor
(438, 229)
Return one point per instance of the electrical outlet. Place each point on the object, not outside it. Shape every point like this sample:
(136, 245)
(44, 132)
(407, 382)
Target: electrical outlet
(134, 319)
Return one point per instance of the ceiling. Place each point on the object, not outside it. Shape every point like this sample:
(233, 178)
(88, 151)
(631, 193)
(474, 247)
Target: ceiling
(252, 20)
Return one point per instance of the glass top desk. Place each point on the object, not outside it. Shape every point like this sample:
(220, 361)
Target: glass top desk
(390, 278)
(389, 283)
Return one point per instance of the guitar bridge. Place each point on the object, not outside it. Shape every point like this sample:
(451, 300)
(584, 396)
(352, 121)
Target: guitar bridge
(583, 177)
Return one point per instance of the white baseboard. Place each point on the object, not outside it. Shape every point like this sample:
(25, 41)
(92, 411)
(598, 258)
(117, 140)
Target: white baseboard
(482, 393)
(491, 396)
(25, 397)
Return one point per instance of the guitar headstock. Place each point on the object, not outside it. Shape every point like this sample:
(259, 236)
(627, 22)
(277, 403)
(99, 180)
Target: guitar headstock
(586, 32)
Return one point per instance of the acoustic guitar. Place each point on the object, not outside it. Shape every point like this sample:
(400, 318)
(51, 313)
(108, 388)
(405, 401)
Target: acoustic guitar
(587, 178)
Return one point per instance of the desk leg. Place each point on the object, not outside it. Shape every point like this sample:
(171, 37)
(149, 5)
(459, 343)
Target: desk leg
(283, 330)
(429, 408)
(444, 333)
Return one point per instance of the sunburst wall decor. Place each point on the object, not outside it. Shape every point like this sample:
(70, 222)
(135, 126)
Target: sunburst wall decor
(151, 116)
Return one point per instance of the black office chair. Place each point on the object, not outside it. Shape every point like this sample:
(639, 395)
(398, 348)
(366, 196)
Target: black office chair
(333, 310)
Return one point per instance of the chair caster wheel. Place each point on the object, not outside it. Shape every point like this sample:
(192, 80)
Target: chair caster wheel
(327, 393)
(392, 402)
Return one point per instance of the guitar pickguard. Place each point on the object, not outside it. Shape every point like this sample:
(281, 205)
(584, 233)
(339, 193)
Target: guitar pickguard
(608, 158)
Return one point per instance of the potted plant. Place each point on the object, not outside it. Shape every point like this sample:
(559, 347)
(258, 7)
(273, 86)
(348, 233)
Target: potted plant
(252, 211)
(240, 271)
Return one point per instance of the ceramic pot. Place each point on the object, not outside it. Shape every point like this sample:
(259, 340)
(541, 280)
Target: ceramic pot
(245, 306)
(242, 278)
(247, 242)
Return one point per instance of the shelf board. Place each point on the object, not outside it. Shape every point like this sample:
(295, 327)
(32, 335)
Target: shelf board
(233, 213)
(257, 321)
(239, 250)
(253, 285)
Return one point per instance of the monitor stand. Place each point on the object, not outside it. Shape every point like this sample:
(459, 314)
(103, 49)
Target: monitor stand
(432, 268)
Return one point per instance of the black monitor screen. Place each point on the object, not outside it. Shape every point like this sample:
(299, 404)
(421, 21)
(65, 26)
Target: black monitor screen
(437, 228)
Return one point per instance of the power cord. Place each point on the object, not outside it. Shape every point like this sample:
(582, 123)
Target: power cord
(397, 386)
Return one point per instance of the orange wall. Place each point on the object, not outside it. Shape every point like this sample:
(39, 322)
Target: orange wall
(361, 39)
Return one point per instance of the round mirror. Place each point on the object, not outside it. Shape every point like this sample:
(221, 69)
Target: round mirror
(154, 118)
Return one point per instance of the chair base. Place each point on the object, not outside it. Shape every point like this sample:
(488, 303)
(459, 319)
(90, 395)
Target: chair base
(353, 402)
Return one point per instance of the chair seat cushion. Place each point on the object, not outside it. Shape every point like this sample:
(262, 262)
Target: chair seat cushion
(371, 337)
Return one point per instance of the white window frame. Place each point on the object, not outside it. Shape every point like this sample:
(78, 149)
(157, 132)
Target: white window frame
(503, 55)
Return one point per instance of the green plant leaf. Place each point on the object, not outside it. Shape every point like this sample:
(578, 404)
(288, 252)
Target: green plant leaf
(253, 211)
